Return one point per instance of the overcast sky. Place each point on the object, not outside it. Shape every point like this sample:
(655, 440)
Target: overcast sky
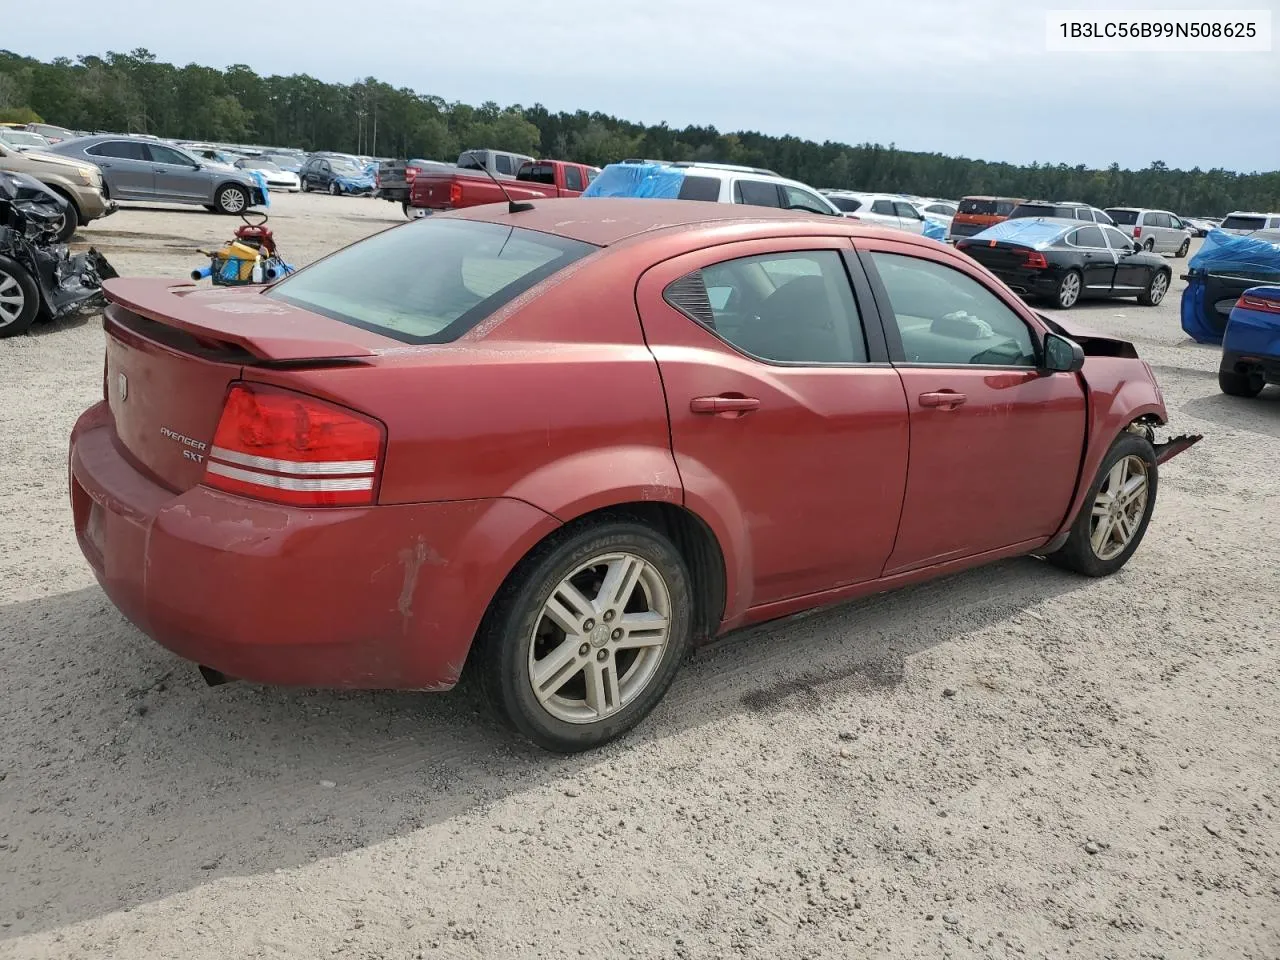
(960, 77)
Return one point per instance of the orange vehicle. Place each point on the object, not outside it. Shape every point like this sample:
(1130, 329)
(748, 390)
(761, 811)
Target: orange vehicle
(978, 213)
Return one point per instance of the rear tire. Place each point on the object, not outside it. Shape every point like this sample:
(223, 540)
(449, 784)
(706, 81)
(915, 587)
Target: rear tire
(1116, 511)
(19, 298)
(1241, 384)
(1068, 292)
(1149, 245)
(1157, 287)
(598, 681)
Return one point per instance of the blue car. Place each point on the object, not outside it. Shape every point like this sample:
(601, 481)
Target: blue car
(1223, 268)
(1251, 344)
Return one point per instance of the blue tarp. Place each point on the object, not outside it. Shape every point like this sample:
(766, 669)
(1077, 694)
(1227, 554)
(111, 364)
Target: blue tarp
(260, 179)
(637, 180)
(1033, 232)
(1254, 256)
(935, 229)
(355, 184)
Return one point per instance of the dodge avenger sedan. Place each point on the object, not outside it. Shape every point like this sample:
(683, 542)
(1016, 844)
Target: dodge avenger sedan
(558, 445)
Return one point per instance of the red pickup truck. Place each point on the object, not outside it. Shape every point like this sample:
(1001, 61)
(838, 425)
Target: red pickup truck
(439, 190)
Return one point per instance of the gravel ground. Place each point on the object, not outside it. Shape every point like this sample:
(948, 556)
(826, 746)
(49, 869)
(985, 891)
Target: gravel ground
(1013, 761)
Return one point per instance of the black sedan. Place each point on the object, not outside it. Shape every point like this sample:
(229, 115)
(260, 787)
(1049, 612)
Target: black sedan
(1064, 260)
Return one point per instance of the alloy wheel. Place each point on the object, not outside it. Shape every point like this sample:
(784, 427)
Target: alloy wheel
(233, 200)
(1159, 287)
(12, 299)
(600, 638)
(1069, 291)
(1119, 507)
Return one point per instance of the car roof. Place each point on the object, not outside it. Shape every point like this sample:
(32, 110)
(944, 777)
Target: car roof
(1250, 213)
(604, 221)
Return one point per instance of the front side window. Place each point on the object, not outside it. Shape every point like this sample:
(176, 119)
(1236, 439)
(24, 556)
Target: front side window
(945, 316)
(430, 281)
(795, 307)
(757, 193)
(168, 155)
(1117, 239)
(906, 211)
(797, 199)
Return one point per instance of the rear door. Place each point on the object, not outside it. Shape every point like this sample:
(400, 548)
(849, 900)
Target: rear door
(1098, 263)
(787, 421)
(1132, 271)
(126, 167)
(996, 443)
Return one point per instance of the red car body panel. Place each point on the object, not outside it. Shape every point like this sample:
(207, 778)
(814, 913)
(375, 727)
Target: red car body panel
(456, 191)
(576, 396)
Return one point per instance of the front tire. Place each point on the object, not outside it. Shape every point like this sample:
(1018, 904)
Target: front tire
(231, 198)
(1157, 287)
(304, 187)
(1182, 250)
(70, 221)
(334, 189)
(586, 635)
(1116, 511)
(1241, 384)
(19, 298)
(1068, 291)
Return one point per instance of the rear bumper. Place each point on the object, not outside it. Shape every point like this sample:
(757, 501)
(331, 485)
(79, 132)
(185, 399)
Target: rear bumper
(1038, 283)
(379, 597)
(1240, 362)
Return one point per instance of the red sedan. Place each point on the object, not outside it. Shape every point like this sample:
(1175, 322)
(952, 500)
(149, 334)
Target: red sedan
(562, 444)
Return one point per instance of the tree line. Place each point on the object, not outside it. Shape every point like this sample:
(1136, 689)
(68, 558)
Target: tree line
(135, 93)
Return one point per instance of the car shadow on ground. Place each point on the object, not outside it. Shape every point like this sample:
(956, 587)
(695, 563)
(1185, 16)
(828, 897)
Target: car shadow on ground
(120, 769)
(1260, 414)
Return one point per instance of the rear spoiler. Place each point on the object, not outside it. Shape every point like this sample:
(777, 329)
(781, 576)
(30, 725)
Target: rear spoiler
(241, 318)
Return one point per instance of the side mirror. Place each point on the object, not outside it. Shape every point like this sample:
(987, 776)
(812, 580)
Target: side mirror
(1062, 355)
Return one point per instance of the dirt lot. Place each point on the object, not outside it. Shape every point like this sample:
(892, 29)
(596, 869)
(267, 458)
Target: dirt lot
(1013, 761)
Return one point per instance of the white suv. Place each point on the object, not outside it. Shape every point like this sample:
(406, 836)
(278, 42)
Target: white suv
(878, 209)
(1241, 222)
(1156, 231)
(716, 182)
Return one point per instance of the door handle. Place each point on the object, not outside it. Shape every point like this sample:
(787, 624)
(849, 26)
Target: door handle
(724, 404)
(946, 399)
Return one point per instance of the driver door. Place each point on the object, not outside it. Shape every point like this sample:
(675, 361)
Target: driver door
(176, 176)
(996, 442)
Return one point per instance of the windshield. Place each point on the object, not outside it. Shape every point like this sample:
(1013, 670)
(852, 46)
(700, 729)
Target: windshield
(260, 165)
(429, 281)
(344, 166)
(23, 138)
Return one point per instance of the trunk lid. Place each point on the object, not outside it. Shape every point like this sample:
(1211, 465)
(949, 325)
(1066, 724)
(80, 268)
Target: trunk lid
(173, 351)
(997, 254)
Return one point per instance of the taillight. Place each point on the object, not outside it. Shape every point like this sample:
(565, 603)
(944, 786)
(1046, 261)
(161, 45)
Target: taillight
(1035, 260)
(1137, 232)
(455, 194)
(275, 444)
(1247, 302)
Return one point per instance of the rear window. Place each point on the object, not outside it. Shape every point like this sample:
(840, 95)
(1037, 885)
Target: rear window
(538, 173)
(847, 204)
(429, 281)
(1040, 210)
(700, 188)
(1126, 217)
(1244, 223)
(985, 208)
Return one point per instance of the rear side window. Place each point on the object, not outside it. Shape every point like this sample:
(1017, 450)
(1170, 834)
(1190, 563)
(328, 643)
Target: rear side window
(430, 281)
(847, 204)
(1244, 223)
(700, 188)
(503, 163)
(794, 307)
(121, 149)
(538, 173)
(1126, 217)
(1087, 237)
(573, 178)
(757, 193)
